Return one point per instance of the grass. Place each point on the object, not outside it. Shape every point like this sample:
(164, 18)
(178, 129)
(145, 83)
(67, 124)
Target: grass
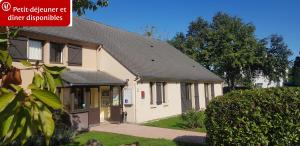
(111, 139)
(173, 123)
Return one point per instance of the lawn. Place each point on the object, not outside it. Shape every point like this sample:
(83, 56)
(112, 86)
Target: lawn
(111, 139)
(173, 123)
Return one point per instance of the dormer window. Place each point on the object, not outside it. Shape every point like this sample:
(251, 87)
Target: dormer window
(34, 51)
(56, 52)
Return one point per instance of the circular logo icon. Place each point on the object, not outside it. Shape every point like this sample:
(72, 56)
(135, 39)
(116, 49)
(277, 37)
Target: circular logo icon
(6, 6)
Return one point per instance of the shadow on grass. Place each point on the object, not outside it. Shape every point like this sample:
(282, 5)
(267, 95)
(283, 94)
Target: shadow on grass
(190, 140)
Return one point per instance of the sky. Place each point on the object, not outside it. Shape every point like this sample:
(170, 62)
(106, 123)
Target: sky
(172, 16)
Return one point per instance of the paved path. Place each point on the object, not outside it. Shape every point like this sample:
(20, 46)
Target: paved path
(151, 132)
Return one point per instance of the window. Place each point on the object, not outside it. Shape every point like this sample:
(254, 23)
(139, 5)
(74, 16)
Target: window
(206, 92)
(35, 50)
(258, 85)
(74, 55)
(56, 52)
(94, 99)
(164, 92)
(116, 91)
(159, 91)
(188, 90)
(79, 99)
(212, 90)
(151, 93)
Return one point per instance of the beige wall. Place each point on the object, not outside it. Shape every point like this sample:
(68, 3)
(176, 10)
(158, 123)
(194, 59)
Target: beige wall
(145, 111)
(141, 110)
(89, 58)
(111, 66)
(218, 88)
(89, 61)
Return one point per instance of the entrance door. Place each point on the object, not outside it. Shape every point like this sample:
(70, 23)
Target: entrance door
(116, 108)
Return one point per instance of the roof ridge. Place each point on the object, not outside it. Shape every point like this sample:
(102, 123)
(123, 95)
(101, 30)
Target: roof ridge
(119, 29)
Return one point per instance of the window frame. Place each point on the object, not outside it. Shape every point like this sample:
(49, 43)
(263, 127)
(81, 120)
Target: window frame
(153, 93)
(85, 101)
(42, 49)
(160, 85)
(151, 84)
(80, 48)
(55, 53)
(188, 89)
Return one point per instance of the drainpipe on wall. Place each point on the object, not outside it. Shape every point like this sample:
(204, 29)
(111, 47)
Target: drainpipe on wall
(97, 57)
(136, 80)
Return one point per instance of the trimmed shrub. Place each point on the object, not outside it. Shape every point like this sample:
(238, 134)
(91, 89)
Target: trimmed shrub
(193, 119)
(255, 117)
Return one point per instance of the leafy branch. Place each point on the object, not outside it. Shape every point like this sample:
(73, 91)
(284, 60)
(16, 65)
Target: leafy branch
(26, 111)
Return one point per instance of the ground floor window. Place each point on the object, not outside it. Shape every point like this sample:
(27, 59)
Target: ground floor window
(158, 91)
(151, 92)
(116, 93)
(188, 92)
(212, 90)
(79, 98)
(94, 99)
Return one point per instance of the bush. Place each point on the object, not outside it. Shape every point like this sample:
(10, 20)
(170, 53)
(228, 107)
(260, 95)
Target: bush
(193, 119)
(255, 117)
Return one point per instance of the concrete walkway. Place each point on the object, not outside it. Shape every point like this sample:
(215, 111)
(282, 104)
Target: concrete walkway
(151, 132)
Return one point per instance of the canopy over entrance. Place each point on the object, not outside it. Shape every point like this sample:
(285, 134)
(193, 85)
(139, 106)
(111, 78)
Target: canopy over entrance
(89, 78)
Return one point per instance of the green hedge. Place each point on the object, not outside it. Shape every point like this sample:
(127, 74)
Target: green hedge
(255, 117)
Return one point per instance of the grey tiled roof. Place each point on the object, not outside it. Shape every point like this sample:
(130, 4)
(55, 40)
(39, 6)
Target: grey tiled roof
(147, 58)
(90, 78)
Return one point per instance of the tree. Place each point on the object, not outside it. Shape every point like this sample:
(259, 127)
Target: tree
(149, 31)
(277, 60)
(80, 6)
(296, 72)
(28, 111)
(226, 46)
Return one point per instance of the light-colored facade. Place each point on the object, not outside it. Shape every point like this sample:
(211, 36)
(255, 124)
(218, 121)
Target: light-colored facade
(127, 97)
(261, 81)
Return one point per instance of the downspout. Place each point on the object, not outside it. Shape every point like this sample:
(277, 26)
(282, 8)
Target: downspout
(138, 78)
(97, 57)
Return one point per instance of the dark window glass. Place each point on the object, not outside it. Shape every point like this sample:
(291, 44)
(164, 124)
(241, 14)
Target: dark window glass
(79, 100)
(74, 55)
(159, 93)
(212, 90)
(206, 92)
(56, 52)
(188, 91)
(164, 92)
(151, 93)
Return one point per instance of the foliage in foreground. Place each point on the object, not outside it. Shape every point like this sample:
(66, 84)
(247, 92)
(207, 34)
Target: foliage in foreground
(25, 112)
(64, 132)
(255, 117)
(295, 79)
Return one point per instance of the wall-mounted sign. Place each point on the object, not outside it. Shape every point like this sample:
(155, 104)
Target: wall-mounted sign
(35, 12)
(127, 93)
(143, 94)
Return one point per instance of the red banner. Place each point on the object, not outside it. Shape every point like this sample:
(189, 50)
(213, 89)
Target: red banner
(35, 12)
